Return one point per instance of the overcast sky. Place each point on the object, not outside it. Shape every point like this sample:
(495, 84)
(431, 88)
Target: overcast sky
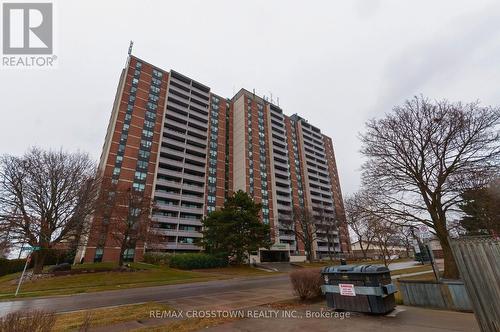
(336, 63)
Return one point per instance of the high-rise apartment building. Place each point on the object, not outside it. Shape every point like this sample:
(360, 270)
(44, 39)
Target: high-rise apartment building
(187, 148)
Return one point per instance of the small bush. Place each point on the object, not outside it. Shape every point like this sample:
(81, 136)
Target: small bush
(36, 320)
(8, 266)
(157, 258)
(60, 267)
(196, 261)
(306, 283)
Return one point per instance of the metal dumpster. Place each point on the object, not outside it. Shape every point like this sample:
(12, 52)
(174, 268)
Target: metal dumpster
(361, 288)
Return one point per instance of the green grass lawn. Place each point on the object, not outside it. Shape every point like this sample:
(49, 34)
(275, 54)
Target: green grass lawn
(145, 275)
(150, 275)
(418, 268)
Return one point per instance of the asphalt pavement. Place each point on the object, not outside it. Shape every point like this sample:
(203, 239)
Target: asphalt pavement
(166, 294)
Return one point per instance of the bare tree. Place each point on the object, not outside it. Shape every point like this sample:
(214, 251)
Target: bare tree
(126, 215)
(385, 239)
(358, 219)
(407, 237)
(422, 157)
(303, 226)
(45, 197)
(326, 226)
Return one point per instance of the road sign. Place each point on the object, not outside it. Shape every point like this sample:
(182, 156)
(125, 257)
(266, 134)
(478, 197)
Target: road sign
(423, 232)
(37, 248)
(347, 289)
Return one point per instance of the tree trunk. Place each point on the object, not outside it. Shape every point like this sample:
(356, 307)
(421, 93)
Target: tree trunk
(38, 261)
(450, 266)
(122, 251)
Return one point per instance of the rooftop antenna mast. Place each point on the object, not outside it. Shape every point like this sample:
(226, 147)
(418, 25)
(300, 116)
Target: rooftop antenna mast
(130, 47)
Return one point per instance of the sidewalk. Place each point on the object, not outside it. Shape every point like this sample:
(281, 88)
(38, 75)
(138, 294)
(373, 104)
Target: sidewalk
(231, 300)
(409, 319)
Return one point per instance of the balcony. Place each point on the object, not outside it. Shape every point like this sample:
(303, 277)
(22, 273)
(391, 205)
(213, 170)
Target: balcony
(172, 184)
(171, 162)
(289, 237)
(160, 218)
(191, 209)
(192, 187)
(164, 194)
(181, 246)
(192, 199)
(171, 151)
(173, 232)
(192, 167)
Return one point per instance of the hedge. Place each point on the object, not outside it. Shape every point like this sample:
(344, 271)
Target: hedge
(157, 258)
(8, 266)
(196, 261)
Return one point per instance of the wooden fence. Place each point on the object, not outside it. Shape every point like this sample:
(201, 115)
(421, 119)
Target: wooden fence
(478, 260)
(447, 294)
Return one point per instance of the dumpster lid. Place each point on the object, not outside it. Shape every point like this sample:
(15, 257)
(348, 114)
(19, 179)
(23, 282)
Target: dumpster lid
(355, 268)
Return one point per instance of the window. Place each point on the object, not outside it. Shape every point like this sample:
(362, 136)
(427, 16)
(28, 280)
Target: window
(144, 154)
(146, 144)
(138, 186)
(116, 171)
(98, 255)
(134, 212)
(128, 255)
(149, 124)
(186, 240)
(157, 73)
(141, 164)
(140, 176)
(147, 133)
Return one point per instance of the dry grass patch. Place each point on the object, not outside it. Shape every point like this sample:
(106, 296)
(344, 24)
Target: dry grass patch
(188, 325)
(106, 316)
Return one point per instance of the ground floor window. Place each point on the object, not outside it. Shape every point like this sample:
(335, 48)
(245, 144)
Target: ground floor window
(98, 255)
(128, 255)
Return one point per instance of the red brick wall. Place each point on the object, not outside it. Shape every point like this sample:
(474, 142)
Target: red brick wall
(130, 157)
(293, 174)
(337, 194)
